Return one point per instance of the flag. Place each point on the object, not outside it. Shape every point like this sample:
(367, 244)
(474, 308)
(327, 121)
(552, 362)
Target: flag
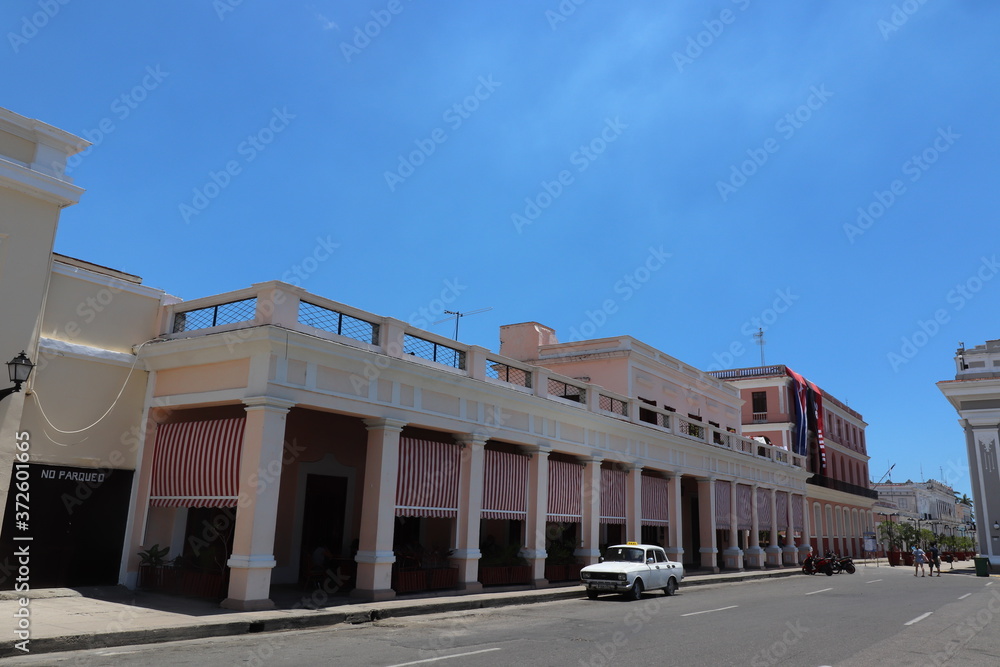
(800, 400)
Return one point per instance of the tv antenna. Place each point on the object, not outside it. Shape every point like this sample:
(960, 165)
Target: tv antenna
(760, 341)
(459, 316)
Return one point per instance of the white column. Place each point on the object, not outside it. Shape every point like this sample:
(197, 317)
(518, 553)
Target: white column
(252, 559)
(590, 550)
(805, 547)
(633, 504)
(675, 529)
(378, 510)
(733, 555)
(706, 520)
(790, 553)
(537, 507)
(754, 556)
(773, 551)
(470, 511)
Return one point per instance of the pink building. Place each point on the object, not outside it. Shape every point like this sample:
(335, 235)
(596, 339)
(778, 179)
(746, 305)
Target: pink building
(834, 444)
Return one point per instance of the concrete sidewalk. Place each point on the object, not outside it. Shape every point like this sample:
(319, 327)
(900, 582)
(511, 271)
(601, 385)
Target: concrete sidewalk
(87, 618)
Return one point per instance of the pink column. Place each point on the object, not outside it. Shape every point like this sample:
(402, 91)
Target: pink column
(754, 556)
(537, 506)
(706, 520)
(466, 555)
(252, 559)
(590, 523)
(675, 529)
(633, 504)
(805, 547)
(378, 511)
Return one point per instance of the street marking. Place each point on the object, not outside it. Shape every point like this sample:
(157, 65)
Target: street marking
(964, 596)
(444, 657)
(873, 581)
(989, 583)
(709, 611)
(823, 590)
(919, 618)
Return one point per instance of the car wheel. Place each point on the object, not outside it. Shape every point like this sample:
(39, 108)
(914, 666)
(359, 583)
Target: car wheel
(671, 587)
(592, 595)
(637, 590)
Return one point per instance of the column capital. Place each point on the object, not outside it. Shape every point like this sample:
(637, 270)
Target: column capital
(473, 439)
(540, 448)
(631, 467)
(384, 424)
(591, 459)
(267, 403)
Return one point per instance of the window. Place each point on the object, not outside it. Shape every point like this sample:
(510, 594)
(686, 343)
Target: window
(645, 415)
(759, 400)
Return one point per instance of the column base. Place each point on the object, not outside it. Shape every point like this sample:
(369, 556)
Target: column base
(708, 556)
(247, 605)
(773, 556)
(733, 559)
(754, 558)
(675, 553)
(470, 586)
(790, 555)
(588, 556)
(804, 551)
(540, 583)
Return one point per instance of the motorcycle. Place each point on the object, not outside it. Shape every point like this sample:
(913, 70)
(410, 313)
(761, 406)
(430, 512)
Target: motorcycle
(845, 564)
(812, 565)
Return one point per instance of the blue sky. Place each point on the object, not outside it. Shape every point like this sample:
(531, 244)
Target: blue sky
(670, 171)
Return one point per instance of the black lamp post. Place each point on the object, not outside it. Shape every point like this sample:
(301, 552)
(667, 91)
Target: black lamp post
(19, 369)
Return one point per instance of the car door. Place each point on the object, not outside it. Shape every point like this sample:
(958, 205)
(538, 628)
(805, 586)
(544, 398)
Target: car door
(657, 569)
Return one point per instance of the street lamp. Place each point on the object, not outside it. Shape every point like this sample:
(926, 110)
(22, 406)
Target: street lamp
(19, 368)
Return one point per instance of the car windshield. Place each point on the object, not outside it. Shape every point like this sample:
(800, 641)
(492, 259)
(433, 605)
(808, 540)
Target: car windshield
(624, 554)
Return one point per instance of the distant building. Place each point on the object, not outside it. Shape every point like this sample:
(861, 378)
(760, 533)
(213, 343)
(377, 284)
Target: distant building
(929, 504)
(975, 395)
(832, 438)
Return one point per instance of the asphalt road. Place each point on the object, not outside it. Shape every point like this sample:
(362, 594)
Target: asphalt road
(879, 616)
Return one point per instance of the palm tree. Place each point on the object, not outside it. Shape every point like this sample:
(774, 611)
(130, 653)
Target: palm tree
(965, 500)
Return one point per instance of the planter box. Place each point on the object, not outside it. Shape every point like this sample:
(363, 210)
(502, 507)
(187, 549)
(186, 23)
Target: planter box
(894, 558)
(442, 577)
(907, 559)
(505, 574)
(569, 572)
(178, 581)
(408, 581)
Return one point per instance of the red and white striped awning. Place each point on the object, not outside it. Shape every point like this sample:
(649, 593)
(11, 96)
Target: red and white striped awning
(565, 492)
(197, 464)
(505, 485)
(722, 508)
(781, 507)
(764, 509)
(744, 498)
(654, 501)
(612, 496)
(427, 484)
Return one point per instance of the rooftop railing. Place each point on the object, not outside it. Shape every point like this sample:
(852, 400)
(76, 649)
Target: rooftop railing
(280, 304)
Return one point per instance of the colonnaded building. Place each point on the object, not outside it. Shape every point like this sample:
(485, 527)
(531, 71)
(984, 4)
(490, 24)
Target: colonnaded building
(262, 433)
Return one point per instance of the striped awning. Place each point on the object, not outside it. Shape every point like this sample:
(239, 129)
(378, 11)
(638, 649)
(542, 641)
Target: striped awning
(764, 509)
(505, 481)
(797, 523)
(722, 508)
(744, 498)
(427, 484)
(654, 501)
(612, 496)
(197, 464)
(781, 507)
(565, 491)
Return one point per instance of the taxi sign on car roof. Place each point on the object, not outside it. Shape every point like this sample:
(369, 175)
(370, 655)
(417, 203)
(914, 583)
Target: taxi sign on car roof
(632, 543)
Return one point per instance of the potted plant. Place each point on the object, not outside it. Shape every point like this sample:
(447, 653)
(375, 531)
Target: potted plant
(155, 572)
(560, 563)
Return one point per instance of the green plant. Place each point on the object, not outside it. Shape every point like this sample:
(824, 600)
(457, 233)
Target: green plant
(560, 553)
(154, 555)
(503, 556)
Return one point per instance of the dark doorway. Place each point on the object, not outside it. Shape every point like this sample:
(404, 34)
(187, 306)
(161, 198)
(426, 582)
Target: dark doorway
(75, 519)
(323, 517)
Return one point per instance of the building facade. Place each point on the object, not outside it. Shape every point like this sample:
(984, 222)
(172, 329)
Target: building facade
(929, 504)
(785, 409)
(975, 395)
(248, 431)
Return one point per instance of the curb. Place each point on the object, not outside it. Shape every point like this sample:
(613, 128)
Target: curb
(327, 618)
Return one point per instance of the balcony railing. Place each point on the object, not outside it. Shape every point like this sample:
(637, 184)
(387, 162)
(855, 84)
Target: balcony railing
(760, 418)
(846, 487)
(283, 305)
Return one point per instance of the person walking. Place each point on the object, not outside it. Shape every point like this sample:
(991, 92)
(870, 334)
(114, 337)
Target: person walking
(933, 559)
(919, 558)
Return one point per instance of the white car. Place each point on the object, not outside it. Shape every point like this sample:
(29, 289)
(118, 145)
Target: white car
(631, 569)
